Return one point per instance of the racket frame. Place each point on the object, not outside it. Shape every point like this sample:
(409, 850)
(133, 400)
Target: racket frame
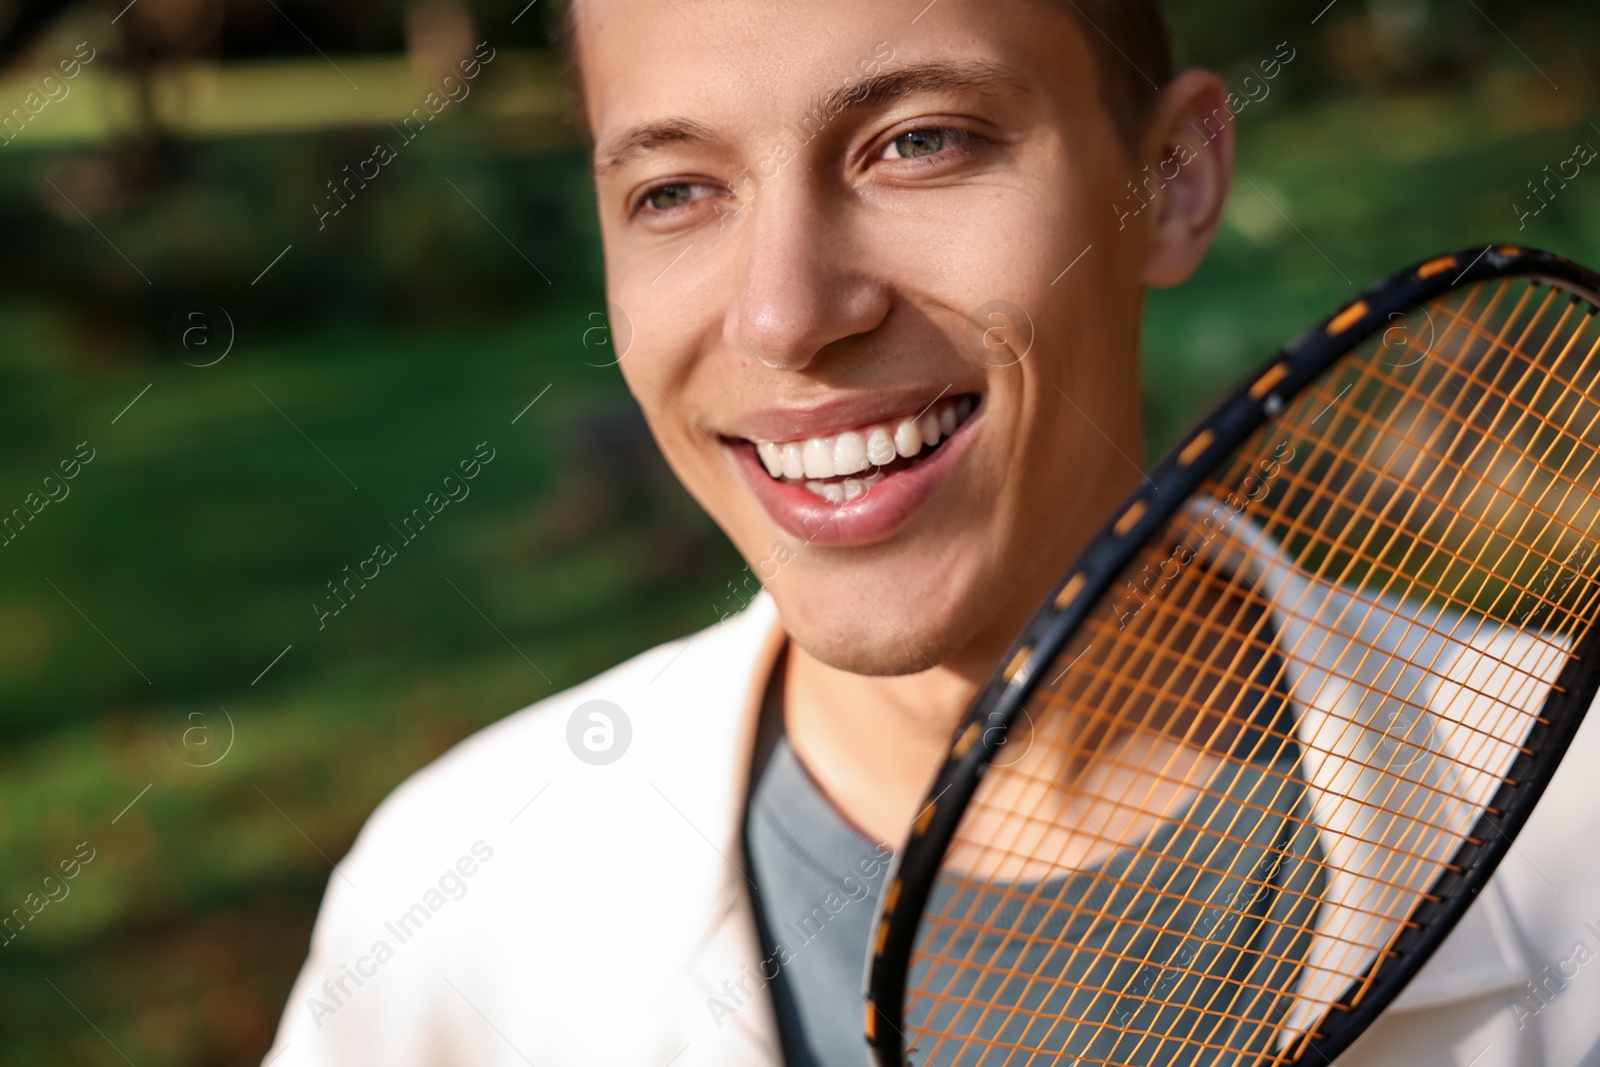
(1172, 481)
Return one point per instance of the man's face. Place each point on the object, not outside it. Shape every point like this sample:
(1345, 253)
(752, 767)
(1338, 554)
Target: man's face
(884, 323)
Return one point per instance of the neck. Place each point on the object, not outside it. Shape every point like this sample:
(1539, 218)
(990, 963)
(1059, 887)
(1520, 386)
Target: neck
(873, 743)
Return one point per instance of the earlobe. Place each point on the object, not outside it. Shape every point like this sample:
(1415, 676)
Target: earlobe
(1192, 131)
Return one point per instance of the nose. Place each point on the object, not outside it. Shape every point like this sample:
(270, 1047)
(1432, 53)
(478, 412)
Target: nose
(803, 282)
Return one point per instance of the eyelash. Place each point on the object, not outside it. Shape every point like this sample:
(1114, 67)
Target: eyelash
(959, 143)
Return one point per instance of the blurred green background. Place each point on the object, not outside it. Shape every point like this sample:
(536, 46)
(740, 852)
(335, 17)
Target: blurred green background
(140, 614)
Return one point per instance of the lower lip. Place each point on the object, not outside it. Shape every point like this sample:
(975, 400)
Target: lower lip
(875, 516)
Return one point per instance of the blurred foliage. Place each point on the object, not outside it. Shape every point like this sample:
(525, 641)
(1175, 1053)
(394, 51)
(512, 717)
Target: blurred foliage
(196, 542)
(422, 242)
(415, 326)
(1334, 194)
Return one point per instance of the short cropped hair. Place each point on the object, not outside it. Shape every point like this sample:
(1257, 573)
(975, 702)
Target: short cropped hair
(1131, 43)
(1133, 48)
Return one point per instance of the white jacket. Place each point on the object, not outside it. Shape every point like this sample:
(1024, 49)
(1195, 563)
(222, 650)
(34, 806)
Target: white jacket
(511, 904)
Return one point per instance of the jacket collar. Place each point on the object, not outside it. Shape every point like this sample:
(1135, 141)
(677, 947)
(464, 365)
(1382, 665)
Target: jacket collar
(730, 948)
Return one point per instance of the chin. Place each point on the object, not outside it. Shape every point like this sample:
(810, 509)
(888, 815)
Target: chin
(857, 627)
(870, 652)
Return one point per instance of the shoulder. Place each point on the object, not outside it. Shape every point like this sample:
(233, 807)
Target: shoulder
(492, 861)
(641, 715)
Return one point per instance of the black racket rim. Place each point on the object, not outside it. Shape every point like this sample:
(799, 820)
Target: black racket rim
(1171, 482)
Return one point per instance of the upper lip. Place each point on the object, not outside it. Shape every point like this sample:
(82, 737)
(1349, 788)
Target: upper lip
(836, 413)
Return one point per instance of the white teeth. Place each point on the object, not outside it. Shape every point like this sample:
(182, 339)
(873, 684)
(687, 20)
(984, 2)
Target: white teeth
(812, 462)
(880, 447)
(907, 438)
(849, 454)
(818, 459)
(845, 491)
(771, 458)
(794, 465)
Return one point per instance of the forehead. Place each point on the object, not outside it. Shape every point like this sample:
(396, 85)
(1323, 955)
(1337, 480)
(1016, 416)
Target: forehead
(748, 66)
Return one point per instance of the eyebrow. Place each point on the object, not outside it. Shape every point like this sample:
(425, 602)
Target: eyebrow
(882, 88)
(638, 140)
(937, 77)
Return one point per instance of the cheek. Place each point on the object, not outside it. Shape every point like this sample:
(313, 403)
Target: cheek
(666, 384)
(1009, 245)
(671, 295)
(1044, 240)
(1078, 398)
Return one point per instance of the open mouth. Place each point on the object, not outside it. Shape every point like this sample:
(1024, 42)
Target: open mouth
(844, 466)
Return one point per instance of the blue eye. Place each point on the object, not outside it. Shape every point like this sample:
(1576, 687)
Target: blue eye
(673, 195)
(915, 144)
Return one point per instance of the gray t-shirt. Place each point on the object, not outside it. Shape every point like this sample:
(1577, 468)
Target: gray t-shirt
(1195, 972)
(818, 882)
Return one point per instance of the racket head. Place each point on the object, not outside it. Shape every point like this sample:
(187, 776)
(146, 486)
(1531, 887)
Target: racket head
(926, 985)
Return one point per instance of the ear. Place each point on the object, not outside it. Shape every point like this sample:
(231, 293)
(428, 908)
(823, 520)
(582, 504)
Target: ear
(1189, 145)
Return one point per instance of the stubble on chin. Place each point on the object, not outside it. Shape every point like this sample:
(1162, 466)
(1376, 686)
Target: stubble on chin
(867, 639)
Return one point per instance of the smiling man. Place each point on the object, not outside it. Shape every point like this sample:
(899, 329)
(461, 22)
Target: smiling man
(885, 293)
